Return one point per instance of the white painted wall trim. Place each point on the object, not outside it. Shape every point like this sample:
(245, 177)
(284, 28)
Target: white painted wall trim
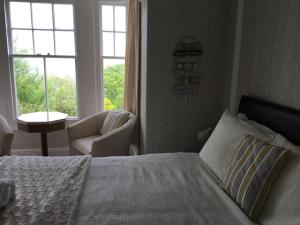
(236, 57)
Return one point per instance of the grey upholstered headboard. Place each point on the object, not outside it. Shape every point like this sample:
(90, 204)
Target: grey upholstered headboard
(282, 119)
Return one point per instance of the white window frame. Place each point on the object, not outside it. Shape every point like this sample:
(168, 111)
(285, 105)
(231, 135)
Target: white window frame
(100, 66)
(11, 55)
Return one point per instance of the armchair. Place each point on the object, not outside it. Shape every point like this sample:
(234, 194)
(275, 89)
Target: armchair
(6, 137)
(84, 137)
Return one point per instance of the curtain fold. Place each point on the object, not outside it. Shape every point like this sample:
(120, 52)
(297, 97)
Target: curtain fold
(132, 67)
(132, 59)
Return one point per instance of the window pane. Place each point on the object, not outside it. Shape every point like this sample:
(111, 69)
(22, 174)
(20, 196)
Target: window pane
(120, 44)
(63, 14)
(20, 15)
(107, 18)
(22, 41)
(30, 84)
(120, 18)
(43, 41)
(61, 78)
(114, 75)
(42, 15)
(64, 41)
(108, 43)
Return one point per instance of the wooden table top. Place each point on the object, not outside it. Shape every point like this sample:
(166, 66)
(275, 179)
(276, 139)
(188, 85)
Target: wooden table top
(42, 118)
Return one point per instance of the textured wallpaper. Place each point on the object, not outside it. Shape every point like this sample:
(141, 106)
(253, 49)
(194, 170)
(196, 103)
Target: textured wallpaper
(172, 126)
(270, 51)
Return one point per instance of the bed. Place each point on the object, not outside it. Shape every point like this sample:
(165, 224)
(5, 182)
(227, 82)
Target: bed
(179, 188)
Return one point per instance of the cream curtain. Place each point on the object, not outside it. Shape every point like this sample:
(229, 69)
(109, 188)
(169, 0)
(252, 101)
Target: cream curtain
(132, 59)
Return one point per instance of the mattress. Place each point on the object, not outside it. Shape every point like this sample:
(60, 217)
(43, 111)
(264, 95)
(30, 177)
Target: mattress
(168, 189)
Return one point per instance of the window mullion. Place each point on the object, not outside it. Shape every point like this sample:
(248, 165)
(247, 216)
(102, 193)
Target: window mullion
(14, 87)
(113, 57)
(32, 30)
(48, 56)
(46, 84)
(114, 29)
(41, 29)
(53, 24)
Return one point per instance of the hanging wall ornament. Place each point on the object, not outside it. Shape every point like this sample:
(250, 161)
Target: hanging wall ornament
(186, 58)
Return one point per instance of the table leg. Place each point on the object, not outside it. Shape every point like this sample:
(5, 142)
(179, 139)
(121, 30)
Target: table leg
(44, 143)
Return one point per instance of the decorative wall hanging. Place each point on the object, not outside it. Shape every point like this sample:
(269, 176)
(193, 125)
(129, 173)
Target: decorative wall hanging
(186, 57)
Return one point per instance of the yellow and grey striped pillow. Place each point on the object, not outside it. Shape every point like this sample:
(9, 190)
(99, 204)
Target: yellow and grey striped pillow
(114, 120)
(252, 172)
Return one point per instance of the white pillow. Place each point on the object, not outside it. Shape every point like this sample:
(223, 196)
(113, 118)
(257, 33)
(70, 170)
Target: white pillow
(219, 150)
(259, 126)
(282, 205)
(282, 141)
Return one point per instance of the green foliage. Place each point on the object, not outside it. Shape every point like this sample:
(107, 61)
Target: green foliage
(62, 95)
(107, 104)
(30, 88)
(61, 90)
(114, 77)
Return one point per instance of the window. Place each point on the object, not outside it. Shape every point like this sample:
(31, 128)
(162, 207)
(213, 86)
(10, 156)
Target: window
(113, 45)
(43, 56)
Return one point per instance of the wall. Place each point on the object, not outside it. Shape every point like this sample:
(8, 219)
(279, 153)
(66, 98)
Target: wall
(171, 125)
(270, 51)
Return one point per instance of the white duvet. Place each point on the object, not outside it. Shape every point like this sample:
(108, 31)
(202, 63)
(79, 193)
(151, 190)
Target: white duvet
(162, 189)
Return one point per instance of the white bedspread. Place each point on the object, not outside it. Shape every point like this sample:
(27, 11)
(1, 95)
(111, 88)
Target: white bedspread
(162, 189)
(47, 189)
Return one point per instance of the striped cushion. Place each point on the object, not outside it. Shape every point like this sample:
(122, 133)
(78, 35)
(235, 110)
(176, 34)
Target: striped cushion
(252, 172)
(113, 120)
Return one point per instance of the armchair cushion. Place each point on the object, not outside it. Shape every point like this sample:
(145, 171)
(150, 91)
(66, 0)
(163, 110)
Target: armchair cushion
(114, 120)
(83, 146)
(86, 127)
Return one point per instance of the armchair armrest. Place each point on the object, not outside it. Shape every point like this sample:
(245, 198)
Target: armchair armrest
(116, 142)
(86, 127)
(6, 137)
